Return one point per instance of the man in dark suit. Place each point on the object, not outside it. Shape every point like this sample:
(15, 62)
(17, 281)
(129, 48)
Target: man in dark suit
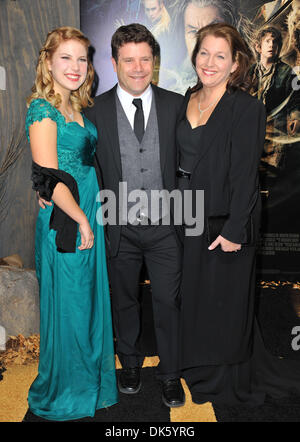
(136, 123)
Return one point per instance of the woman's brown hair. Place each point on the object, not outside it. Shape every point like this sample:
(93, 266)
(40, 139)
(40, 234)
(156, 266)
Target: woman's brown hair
(43, 85)
(240, 53)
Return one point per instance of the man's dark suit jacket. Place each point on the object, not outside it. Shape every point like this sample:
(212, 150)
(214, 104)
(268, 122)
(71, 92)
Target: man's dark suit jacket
(108, 159)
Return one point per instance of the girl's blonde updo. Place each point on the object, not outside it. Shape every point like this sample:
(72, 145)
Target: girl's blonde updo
(43, 85)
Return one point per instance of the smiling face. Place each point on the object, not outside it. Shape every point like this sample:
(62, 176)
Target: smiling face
(153, 9)
(196, 18)
(134, 67)
(68, 66)
(214, 62)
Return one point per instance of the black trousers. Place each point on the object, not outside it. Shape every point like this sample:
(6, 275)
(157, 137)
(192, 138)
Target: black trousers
(158, 248)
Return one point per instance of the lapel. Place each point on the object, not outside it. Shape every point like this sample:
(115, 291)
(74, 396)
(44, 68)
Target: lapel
(215, 126)
(110, 120)
(162, 112)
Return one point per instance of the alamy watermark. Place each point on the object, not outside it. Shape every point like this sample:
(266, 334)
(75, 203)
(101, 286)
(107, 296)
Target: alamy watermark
(136, 207)
(296, 80)
(2, 79)
(296, 339)
(2, 338)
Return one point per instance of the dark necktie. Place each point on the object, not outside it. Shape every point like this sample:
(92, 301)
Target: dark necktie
(139, 122)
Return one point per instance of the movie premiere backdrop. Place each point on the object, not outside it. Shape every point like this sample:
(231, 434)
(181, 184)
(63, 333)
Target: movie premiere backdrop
(174, 23)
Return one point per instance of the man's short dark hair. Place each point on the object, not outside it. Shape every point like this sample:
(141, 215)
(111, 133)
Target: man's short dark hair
(133, 33)
(159, 1)
(276, 34)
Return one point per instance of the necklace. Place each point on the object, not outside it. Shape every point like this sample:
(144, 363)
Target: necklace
(69, 115)
(201, 111)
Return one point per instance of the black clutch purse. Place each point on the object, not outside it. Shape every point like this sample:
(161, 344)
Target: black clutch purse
(215, 225)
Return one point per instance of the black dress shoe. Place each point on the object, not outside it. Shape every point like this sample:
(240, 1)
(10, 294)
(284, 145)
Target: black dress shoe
(173, 393)
(129, 381)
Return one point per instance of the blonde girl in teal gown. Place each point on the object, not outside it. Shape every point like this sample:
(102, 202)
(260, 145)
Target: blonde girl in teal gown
(76, 368)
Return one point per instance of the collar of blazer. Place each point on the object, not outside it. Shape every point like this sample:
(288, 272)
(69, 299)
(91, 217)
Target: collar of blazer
(216, 123)
(109, 117)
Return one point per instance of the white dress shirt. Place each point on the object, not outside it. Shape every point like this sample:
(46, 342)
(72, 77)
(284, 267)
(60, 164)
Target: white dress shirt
(129, 108)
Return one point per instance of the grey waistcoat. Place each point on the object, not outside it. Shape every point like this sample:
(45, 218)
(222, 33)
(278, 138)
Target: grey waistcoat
(141, 169)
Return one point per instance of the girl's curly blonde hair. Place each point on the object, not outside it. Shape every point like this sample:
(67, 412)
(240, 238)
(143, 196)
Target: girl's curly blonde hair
(43, 85)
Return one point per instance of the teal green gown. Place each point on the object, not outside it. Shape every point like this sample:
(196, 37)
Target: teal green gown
(76, 374)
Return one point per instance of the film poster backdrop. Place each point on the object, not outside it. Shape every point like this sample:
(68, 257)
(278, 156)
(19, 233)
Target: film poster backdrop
(174, 24)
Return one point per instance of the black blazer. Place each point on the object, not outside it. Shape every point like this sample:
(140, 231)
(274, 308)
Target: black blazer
(108, 158)
(218, 288)
(226, 167)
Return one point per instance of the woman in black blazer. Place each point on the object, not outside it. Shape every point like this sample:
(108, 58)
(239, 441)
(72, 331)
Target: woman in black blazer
(220, 137)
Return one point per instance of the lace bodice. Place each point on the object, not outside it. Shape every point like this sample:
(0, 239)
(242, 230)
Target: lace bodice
(75, 144)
